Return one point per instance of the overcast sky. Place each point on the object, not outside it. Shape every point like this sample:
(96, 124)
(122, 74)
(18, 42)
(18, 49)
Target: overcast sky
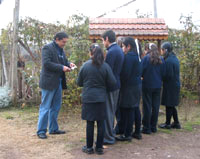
(60, 10)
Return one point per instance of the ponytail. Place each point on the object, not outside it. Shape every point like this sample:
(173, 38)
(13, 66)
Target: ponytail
(97, 55)
(154, 54)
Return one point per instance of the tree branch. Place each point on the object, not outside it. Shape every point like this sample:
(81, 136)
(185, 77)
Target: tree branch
(28, 50)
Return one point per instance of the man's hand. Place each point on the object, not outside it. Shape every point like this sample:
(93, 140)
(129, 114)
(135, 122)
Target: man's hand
(72, 65)
(66, 69)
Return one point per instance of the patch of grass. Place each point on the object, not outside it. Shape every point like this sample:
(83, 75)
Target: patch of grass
(167, 131)
(188, 113)
(83, 140)
(9, 117)
(26, 114)
(190, 124)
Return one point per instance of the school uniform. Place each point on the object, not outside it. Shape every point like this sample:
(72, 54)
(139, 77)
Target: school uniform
(130, 94)
(151, 88)
(171, 87)
(95, 81)
(114, 58)
(171, 82)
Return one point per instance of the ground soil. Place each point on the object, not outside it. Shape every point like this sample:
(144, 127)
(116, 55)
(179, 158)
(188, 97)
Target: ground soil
(18, 141)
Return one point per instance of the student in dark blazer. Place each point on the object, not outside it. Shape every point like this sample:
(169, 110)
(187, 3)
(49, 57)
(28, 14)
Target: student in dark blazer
(114, 58)
(95, 76)
(130, 91)
(171, 86)
(153, 70)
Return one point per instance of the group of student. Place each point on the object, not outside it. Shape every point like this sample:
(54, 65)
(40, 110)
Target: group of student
(113, 87)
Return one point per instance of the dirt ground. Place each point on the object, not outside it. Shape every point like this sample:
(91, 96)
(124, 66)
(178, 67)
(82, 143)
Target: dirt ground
(18, 140)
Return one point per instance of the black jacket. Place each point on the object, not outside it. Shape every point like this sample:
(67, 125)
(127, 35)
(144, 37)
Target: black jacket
(52, 68)
(131, 83)
(95, 81)
(171, 82)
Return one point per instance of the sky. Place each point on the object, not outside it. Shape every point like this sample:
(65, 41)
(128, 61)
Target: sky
(59, 10)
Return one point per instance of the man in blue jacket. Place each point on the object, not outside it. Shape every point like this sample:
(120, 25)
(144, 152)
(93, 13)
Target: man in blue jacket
(114, 58)
(52, 81)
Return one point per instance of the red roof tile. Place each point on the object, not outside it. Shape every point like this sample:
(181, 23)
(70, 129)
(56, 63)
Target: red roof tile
(129, 26)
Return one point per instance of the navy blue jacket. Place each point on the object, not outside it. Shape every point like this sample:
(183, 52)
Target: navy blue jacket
(171, 82)
(152, 74)
(115, 59)
(130, 91)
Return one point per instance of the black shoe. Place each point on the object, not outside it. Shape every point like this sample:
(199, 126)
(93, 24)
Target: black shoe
(154, 130)
(106, 143)
(176, 126)
(137, 136)
(164, 126)
(99, 151)
(87, 150)
(146, 132)
(42, 136)
(58, 132)
(123, 138)
(119, 133)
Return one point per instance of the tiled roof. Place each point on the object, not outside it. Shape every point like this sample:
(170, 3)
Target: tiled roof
(142, 28)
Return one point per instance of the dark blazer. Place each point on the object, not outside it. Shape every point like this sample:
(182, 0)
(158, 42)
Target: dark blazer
(115, 59)
(152, 74)
(94, 81)
(130, 91)
(52, 68)
(171, 82)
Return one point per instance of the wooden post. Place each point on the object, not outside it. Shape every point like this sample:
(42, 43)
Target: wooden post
(14, 52)
(159, 46)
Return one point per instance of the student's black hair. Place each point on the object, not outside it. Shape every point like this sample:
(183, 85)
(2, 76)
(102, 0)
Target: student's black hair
(130, 41)
(97, 55)
(60, 35)
(154, 54)
(167, 46)
(110, 34)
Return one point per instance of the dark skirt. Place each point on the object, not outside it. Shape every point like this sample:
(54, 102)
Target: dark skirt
(94, 111)
(170, 96)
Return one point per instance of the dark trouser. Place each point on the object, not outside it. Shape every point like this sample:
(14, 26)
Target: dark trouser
(111, 108)
(90, 133)
(151, 105)
(128, 116)
(137, 116)
(119, 126)
(171, 111)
